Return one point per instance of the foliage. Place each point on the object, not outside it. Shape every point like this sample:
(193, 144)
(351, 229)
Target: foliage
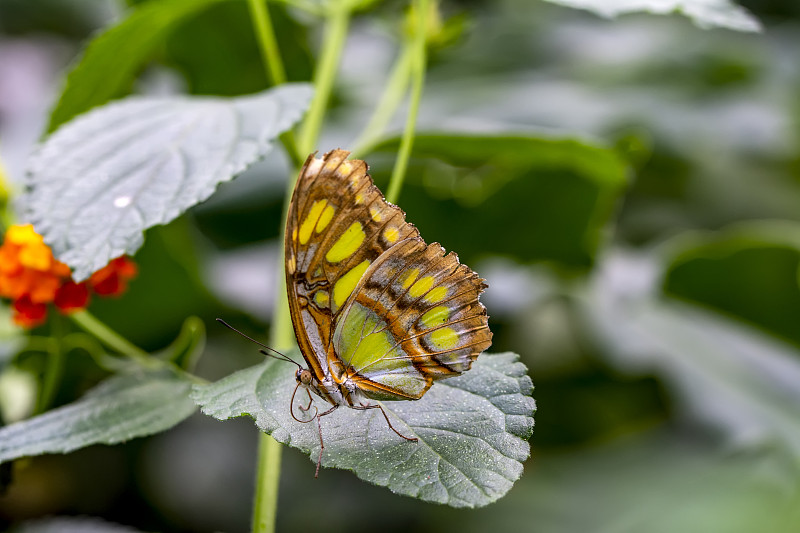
(112, 60)
(464, 460)
(122, 408)
(627, 187)
(562, 190)
(704, 13)
(100, 181)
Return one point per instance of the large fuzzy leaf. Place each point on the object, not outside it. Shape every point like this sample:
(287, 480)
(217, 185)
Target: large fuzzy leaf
(101, 180)
(721, 372)
(704, 13)
(748, 270)
(122, 408)
(472, 429)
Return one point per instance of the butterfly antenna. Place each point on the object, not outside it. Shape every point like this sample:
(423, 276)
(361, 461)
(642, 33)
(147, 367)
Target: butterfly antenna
(279, 356)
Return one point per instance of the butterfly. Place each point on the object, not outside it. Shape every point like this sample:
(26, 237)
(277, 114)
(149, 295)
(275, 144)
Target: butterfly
(378, 314)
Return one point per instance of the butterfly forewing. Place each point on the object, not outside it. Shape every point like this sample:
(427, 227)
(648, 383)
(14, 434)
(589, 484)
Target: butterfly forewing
(338, 224)
(370, 301)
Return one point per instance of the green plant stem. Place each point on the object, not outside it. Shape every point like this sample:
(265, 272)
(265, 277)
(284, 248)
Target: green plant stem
(282, 334)
(417, 83)
(54, 368)
(113, 340)
(267, 481)
(93, 348)
(265, 503)
(268, 44)
(324, 75)
(282, 337)
(269, 455)
(273, 64)
(50, 381)
(390, 100)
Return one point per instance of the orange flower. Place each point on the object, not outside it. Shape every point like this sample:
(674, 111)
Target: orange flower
(32, 277)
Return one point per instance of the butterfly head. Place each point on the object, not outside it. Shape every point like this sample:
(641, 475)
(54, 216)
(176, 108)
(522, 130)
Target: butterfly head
(304, 376)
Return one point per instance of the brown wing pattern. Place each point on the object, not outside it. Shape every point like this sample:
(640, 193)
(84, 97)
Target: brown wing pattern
(414, 314)
(429, 302)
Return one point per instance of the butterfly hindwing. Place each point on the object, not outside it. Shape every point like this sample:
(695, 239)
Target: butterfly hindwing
(414, 318)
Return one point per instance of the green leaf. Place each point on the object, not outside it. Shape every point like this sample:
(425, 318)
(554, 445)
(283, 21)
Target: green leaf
(217, 53)
(114, 58)
(547, 199)
(704, 13)
(748, 270)
(122, 408)
(472, 429)
(720, 372)
(97, 183)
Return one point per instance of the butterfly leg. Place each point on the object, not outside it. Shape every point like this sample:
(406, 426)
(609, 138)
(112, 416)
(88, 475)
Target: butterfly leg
(307, 407)
(363, 407)
(321, 444)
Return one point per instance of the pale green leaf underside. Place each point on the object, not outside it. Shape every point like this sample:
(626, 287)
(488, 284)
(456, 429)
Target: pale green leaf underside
(472, 429)
(723, 372)
(122, 408)
(704, 13)
(101, 180)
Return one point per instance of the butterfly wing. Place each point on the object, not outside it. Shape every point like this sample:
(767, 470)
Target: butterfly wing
(370, 301)
(414, 318)
(338, 224)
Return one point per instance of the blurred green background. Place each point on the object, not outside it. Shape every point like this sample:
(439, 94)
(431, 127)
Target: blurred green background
(630, 189)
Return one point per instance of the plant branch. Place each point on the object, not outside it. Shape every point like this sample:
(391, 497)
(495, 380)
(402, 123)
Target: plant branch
(267, 481)
(54, 368)
(324, 76)
(269, 454)
(419, 61)
(113, 340)
(267, 42)
(273, 65)
(390, 100)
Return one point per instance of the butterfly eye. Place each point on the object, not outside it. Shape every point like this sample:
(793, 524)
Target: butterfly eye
(303, 376)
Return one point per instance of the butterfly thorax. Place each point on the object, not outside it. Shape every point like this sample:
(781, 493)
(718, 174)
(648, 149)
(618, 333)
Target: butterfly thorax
(337, 387)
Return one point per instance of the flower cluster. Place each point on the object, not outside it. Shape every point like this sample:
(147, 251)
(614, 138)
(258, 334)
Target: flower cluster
(31, 277)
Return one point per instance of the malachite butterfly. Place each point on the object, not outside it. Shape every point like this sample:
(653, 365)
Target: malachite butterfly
(378, 314)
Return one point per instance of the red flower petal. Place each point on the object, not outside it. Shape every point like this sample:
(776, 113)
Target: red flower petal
(109, 285)
(71, 296)
(126, 268)
(111, 279)
(27, 313)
